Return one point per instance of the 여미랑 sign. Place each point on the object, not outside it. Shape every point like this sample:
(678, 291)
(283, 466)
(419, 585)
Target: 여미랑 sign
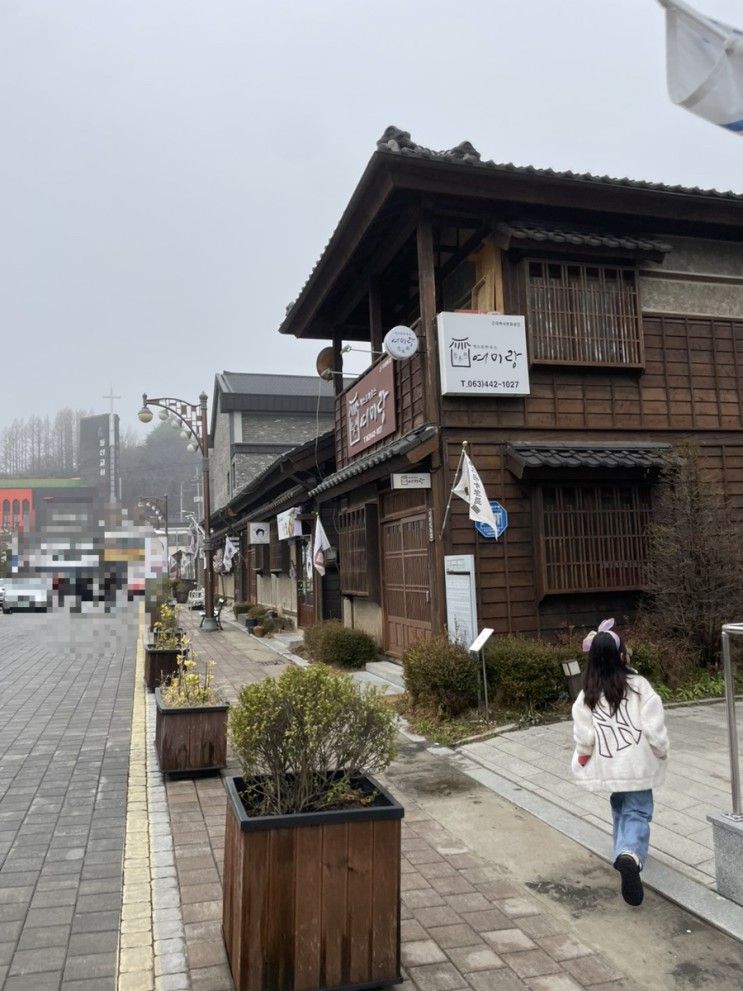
(259, 533)
(411, 480)
(483, 354)
(370, 407)
(461, 598)
(500, 514)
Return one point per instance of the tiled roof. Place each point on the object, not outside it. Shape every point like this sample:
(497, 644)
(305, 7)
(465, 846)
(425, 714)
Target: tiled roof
(393, 448)
(593, 456)
(525, 231)
(254, 384)
(399, 142)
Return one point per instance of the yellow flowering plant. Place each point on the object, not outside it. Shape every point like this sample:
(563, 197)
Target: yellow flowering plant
(190, 687)
(167, 634)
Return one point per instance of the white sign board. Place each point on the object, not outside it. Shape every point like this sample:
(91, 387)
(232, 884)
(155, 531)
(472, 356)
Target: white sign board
(482, 354)
(411, 480)
(259, 533)
(461, 598)
(483, 637)
(400, 342)
(288, 525)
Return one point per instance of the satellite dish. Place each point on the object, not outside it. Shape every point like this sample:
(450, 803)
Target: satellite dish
(325, 364)
(401, 342)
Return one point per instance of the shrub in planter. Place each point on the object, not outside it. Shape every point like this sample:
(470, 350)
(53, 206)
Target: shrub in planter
(309, 833)
(191, 721)
(257, 612)
(161, 658)
(526, 673)
(241, 608)
(441, 674)
(334, 643)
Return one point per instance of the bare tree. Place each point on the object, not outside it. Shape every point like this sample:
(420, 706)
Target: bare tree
(695, 566)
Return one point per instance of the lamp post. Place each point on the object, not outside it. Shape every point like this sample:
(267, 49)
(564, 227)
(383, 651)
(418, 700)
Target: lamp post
(193, 420)
(160, 507)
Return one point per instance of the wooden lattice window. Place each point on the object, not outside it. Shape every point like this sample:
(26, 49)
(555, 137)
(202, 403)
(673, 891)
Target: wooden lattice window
(278, 552)
(583, 314)
(594, 537)
(358, 551)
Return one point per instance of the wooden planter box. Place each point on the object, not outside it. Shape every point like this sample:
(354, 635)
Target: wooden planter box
(190, 740)
(312, 901)
(159, 665)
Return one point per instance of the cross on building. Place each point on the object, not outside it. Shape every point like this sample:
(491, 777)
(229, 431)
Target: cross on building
(111, 398)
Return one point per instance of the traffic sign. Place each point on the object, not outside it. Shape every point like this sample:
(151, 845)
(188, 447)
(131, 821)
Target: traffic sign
(501, 522)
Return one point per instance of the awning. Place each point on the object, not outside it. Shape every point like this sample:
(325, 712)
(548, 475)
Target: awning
(525, 459)
(392, 449)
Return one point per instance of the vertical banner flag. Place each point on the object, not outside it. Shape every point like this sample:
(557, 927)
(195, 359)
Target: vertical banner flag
(704, 65)
(230, 550)
(470, 488)
(321, 544)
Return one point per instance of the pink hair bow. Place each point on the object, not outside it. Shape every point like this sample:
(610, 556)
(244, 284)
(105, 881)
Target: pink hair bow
(604, 627)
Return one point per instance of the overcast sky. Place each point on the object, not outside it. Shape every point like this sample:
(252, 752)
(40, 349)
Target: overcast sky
(171, 169)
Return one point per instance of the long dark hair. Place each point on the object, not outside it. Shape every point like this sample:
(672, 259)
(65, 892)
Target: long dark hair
(606, 672)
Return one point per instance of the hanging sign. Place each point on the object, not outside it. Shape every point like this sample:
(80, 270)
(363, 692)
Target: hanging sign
(400, 342)
(288, 524)
(370, 407)
(500, 513)
(483, 354)
(461, 598)
(411, 480)
(259, 533)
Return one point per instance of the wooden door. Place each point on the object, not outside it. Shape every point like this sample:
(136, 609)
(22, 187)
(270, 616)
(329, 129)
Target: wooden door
(406, 580)
(305, 584)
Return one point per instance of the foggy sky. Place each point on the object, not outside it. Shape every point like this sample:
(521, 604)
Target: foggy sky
(171, 170)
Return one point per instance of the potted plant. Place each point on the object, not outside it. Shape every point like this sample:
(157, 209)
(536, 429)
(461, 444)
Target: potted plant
(311, 895)
(161, 657)
(191, 721)
(256, 614)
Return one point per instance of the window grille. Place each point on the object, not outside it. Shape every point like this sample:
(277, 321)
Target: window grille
(583, 314)
(358, 551)
(594, 537)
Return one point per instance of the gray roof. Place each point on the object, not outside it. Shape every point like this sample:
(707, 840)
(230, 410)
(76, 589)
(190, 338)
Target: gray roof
(592, 456)
(255, 384)
(393, 448)
(399, 142)
(527, 231)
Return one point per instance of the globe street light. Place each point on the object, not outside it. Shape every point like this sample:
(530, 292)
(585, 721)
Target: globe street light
(160, 508)
(193, 418)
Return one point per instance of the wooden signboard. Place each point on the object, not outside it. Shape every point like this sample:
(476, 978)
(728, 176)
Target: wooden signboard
(370, 408)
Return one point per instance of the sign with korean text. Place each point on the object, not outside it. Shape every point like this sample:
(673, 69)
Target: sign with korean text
(370, 407)
(482, 354)
(411, 480)
(461, 598)
(258, 533)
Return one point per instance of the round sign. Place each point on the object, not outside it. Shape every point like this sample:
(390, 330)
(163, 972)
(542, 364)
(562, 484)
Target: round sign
(401, 342)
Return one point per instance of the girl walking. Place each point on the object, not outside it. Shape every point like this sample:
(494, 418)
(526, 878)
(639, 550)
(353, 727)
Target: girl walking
(621, 746)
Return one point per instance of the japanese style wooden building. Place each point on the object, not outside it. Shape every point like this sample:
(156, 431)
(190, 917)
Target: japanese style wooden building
(632, 294)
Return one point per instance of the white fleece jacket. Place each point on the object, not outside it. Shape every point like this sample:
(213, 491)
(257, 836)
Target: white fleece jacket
(627, 750)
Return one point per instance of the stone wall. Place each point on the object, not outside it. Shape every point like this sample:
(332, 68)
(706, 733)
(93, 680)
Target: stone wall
(695, 257)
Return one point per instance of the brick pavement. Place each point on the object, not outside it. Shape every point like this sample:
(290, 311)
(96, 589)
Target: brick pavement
(65, 710)
(697, 783)
(465, 923)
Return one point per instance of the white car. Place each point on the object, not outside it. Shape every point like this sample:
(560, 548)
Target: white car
(25, 593)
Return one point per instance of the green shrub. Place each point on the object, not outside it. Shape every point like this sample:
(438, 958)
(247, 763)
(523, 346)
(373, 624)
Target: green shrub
(256, 612)
(442, 674)
(240, 608)
(302, 738)
(661, 658)
(333, 643)
(526, 673)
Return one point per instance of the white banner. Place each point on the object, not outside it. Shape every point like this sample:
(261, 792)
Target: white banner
(321, 545)
(470, 488)
(704, 65)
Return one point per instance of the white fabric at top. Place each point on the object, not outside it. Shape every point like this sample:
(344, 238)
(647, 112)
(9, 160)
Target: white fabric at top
(470, 488)
(627, 750)
(704, 65)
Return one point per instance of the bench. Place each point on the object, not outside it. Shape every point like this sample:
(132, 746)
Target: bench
(217, 613)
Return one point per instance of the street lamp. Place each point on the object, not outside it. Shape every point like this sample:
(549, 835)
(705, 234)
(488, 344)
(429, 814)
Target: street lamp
(194, 421)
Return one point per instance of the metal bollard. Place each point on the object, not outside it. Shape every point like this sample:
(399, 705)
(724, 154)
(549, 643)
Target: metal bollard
(732, 630)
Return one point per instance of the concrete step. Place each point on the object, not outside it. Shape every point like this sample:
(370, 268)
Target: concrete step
(387, 671)
(365, 678)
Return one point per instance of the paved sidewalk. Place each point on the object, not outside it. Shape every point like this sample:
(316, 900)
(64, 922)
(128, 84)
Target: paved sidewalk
(697, 782)
(65, 710)
(466, 924)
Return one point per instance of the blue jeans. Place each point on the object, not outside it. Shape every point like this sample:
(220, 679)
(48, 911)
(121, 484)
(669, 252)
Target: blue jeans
(632, 812)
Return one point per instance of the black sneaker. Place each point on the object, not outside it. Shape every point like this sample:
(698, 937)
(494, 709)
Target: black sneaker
(632, 890)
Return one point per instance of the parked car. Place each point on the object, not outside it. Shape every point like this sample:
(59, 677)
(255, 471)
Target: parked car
(25, 593)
